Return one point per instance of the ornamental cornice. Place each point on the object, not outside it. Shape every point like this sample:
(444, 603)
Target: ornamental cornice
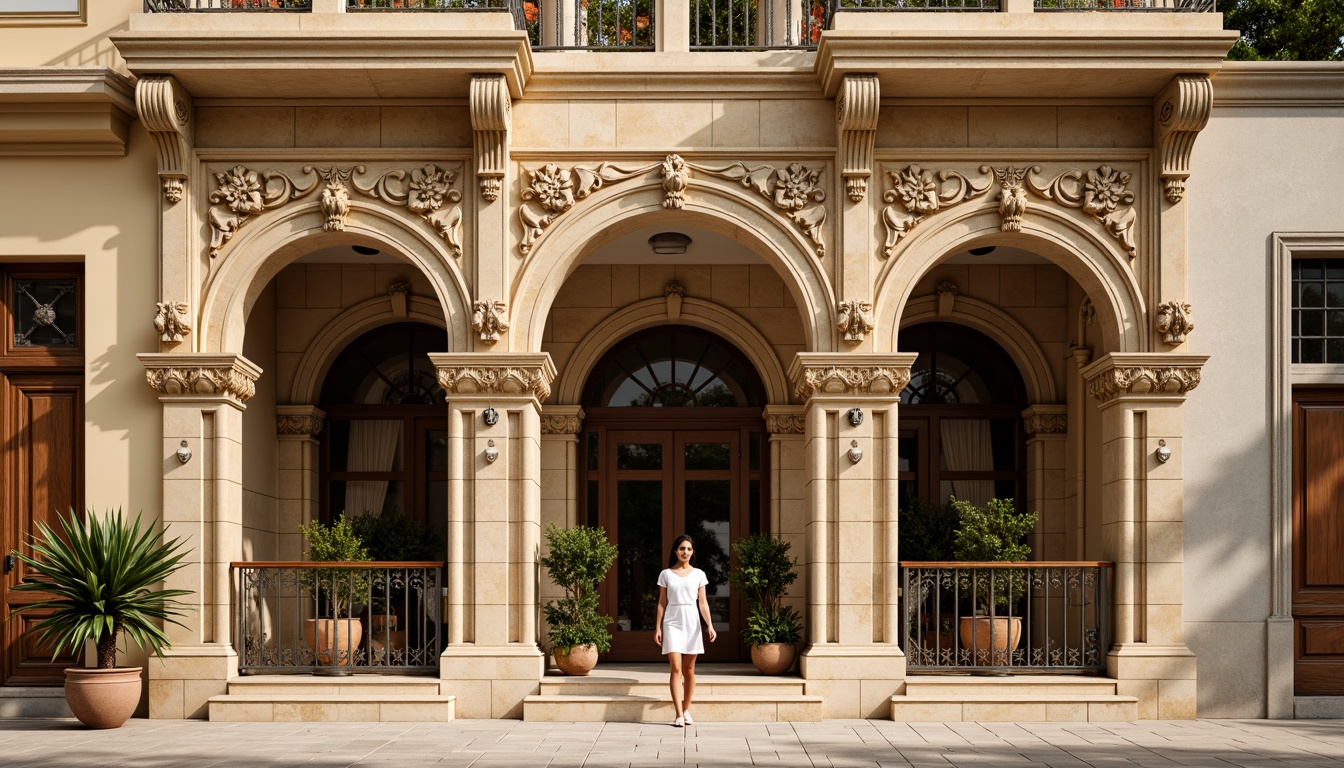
(1046, 420)
(785, 420)
(197, 375)
(561, 419)
(1122, 374)
(299, 420)
(825, 373)
(501, 374)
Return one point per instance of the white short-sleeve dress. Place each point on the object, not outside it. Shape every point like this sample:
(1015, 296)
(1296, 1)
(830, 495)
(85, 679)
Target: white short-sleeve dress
(681, 618)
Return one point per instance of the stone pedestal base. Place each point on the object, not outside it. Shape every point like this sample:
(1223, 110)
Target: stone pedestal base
(182, 682)
(855, 681)
(491, 681)
(1162, 677)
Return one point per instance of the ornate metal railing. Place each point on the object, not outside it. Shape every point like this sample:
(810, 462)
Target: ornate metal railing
(427, 5)
(1005, 617)
(917, 5)
(338, 618)
(735, 25)
(179, 6)
(1187, 6)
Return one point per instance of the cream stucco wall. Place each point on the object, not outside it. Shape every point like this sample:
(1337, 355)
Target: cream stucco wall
(69, 43)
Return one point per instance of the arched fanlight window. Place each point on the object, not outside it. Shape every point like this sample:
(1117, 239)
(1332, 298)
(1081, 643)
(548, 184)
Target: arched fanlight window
(957, 366)
(673, 367)
(388, 366)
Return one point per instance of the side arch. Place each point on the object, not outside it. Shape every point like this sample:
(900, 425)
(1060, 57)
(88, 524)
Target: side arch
(346, 327)
(653, 312)
(1101, 270)
(609, 214)
(1003, 329)
(264, 247)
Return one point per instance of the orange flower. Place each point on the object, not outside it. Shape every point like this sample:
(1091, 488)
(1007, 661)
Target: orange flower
(531, 12)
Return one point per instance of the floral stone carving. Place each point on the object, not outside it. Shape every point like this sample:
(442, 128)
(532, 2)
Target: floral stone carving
(855, 320)
(1103, 194)
(335, 200)
(566, 424)
(430, 194)
(676, 177)
(785, 423)
(794, 190)
(496, 380)
(1012, 197)
(851, 380)
(920, 194)
(552, 190)
(241, 193)
(1175, 321)
(1143, 380)
(172, 321)
(488, 318)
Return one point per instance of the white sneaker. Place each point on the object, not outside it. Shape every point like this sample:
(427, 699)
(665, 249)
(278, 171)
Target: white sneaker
(679, 722)
(687, 718)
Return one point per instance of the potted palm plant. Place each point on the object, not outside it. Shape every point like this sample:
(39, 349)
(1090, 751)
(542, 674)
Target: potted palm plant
(764, 573)
(578, 560)
(98, 578)
(992, 533)
(335, 636)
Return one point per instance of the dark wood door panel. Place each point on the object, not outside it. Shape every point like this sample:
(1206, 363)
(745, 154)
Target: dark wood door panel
(1318, 541)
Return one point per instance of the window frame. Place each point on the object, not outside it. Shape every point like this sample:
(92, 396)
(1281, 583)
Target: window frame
(76, 18)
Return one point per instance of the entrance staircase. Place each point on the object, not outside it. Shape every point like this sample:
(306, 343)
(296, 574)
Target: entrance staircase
(1021, 698)
(355, 698)
(639, 693)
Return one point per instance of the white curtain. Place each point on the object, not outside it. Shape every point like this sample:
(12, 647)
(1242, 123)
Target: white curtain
(966, 448)
(373, 448)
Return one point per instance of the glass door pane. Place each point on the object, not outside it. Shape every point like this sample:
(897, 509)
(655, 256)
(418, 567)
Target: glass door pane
(708, 522)
(639, 541)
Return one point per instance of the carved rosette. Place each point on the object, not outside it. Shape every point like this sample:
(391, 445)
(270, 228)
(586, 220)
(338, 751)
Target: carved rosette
(1120, 374)
(172, 321)
(241, 193)
(195, 375)
(795, 191)
(1045, 420)
(491, 120)
(1103, 194)
(1175, 321)
(856, 108)
(489, 319)
(165, 109)
(462, 374)
(299, 420)
(855, 320)
(1182, 110)
(561, 420)
(428, 192)
(552, 190)
(855, 375)
(921, 193)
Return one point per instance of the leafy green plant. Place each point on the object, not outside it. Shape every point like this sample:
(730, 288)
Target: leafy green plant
(335, 543)
(98, 578)
(927, 531)
(764, 573)
(578, 561)
(993, 533)
(395, 537)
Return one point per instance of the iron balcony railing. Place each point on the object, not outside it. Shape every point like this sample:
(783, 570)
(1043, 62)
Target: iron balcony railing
(1006, 617)
(917, 5)
(338, 618)
(180, 6)
(1185, 6)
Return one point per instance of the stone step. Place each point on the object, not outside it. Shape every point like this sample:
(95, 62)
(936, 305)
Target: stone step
(607, 686)
(332, 707)
(32, 701)
(254, 685)
(1036, 684)
(1014, 706)
(626, 708)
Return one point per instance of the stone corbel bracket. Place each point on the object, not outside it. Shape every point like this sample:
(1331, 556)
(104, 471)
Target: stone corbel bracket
(491, 121)
(817, 374)
(856, 109)
(476, 374)
(232, 377)
(1180, 112)
(1122, 374)
(165, 109)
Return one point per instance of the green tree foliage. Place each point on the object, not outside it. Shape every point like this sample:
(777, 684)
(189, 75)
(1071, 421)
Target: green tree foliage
(993, 534)
(927, 531)
(335, 543)
(1285, 30)
(764, 573)
(394, 536)
(578, 561)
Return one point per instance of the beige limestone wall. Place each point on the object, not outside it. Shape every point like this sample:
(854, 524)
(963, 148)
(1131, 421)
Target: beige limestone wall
(68, 42)
(357, 125)
(260, 459)
(1122, 124)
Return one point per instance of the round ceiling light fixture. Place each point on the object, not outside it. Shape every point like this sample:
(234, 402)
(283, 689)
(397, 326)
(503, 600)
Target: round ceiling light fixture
(669, 242)
(983, 250)
(364, 250)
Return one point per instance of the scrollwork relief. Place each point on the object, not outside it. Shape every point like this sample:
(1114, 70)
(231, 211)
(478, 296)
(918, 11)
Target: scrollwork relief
(1045, 423)
(794, 190)
(1103, 194)
(227, 381)
(489, 319)
(1175, 321)
(242, 193)
(430, 194)
(855, 320)
(920, 194)
(172, 321)
(560, 425)
(785, 423)
(552, 190)
(851, 380)
(307, 424)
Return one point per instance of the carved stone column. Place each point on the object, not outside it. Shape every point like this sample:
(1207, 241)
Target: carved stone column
(494, 528)
(1047, 427)
(789, 514)
(1142, 524)
(203, 397)
(853, 659)
(560, 457)
(297, 428)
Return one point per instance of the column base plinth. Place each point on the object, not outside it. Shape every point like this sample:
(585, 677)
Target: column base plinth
(1162, 677)
(182, 682)
(855, 681)
(491, 681)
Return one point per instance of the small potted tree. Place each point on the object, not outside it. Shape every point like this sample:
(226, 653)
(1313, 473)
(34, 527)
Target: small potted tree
(335, 636)
(764, 573)
(578, 560)
(394, 536)
(99, 579)
(992, 533)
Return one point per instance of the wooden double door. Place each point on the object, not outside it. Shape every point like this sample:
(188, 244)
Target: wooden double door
(1318, 541)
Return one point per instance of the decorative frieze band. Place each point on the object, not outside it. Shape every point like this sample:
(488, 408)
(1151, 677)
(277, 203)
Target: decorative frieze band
(299, 420)
(1119, 374)
(785, 420)
(561, 420)
(825, 373)
(491, 374)
(1046, 420)
(165, 110)
(232, 376)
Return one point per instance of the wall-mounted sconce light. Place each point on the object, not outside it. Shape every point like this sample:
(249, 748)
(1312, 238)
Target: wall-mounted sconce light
(184, 453)
(855, 452)
(669, 242)
(491, 417)
(491, 452)
(855, 416)
(1163, 452)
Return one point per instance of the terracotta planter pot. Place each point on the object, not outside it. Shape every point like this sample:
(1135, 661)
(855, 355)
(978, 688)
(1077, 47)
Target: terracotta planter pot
(773, 658)
(993, 637)
(579, 661)
(103, 698)
(341, 635)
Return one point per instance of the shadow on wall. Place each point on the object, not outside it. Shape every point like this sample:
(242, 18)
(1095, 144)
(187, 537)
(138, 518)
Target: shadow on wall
(99, 52)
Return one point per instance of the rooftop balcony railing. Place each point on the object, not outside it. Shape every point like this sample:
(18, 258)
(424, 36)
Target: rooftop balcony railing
(1180, 6)
(179, 6)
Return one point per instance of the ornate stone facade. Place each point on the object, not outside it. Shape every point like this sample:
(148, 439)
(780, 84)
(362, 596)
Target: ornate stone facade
(1120, 374)
(853, 374)
(231, 376)
(495, 374)
(299, 420)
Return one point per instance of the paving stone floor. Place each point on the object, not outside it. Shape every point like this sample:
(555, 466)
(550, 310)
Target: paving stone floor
(832, 744)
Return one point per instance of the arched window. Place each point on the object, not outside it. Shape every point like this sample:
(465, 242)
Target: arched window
(672, 368)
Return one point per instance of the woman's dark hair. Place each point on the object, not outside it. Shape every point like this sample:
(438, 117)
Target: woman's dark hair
(672, 556)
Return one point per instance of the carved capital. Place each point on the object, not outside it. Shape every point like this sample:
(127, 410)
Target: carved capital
(1175, 321)
(1129, 374)
(785, 420)
(1046, 420)
(561, 420)
(1180, 112)
(196, 375)
(299, 420)
(491, 121)
(856, 109)
(165, 109)
(822, 373)
(495, 374)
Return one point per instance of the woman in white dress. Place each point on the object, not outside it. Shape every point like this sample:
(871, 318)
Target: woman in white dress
(681, 606)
